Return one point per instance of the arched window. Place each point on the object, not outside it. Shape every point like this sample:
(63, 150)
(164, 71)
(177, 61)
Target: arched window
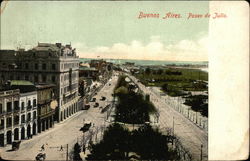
(22, 105)
(34, 102)
(29, 104)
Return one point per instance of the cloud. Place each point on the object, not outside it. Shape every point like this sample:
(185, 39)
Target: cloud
(184, 50)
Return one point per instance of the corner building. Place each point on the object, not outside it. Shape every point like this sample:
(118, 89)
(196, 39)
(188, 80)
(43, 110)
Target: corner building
(50, 64)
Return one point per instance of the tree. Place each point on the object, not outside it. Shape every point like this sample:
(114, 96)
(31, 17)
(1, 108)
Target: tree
(165, 87)
(114, 146)
(77, 150)
(147, 71)
(160, 71)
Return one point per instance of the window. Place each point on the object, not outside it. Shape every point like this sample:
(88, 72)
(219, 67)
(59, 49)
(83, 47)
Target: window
(44, 66)
(9, 121)
(18, 78)
(36, 78)
(29, 117)
(53, 66)
(36, 66)
(34, 102)
(26, 65)
(29, 103)
(27, 77)
(16, 120)
(1, 108)
(2, 124)
(16, 105)
(20, 66)
(34, 115)
(22, 105)
(11, 77)
(44, 78)
(23, 118)
(9, 108)
(53, 79)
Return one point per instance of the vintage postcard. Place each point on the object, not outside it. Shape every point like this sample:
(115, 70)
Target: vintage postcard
(124, 80)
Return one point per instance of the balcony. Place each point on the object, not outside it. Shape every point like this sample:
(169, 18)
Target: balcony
(17, 110)
(2, 113)
(8, 125)
(29, 108)
(16, 122)
(42, 102)
(9, 112)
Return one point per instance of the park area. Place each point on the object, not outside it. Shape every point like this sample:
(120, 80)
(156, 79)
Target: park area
(179, 82)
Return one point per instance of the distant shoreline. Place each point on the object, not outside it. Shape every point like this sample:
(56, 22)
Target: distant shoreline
(151, 62)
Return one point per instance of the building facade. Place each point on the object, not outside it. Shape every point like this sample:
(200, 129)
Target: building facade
(46, 108)
(28, 115)
(18, 115)
(50, 64)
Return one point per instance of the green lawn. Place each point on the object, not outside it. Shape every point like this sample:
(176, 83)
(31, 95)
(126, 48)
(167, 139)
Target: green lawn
(177, 80)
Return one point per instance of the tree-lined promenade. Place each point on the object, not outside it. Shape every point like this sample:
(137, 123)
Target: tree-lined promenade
(145, 142)
(132, 107)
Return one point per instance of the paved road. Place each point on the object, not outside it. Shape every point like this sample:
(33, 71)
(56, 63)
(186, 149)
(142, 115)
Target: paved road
(190, 135)
(66, 132)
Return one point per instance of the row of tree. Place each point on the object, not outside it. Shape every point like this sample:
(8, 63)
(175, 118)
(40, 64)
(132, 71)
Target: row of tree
(145, 143)
(161, 71)
(132, 107)
(198, 103)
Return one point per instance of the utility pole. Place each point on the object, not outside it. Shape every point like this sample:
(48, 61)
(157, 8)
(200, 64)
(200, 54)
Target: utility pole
(173, 125)
(67, 154)
(196, 117)
(201, 151)
(173, 133)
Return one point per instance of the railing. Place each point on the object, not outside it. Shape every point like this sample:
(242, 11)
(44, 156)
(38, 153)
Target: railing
(29, 108)
(8, 125)
(17, 110)
(2, 113)
(16, 122)
(9, 112)
(10, 92)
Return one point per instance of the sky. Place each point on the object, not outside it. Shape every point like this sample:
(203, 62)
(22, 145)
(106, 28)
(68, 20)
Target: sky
(109, 29)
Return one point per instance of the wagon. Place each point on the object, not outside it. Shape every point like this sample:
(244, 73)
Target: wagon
(40, 157)
(16, 145)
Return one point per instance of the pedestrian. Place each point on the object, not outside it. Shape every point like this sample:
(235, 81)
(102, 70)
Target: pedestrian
(83, 149)
(42, 148)
(61, 149)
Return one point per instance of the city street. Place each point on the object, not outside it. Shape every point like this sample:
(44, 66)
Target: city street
(193, 138)
(66, 132)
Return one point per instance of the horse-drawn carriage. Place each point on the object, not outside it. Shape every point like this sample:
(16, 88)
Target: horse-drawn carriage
(40, 157)
(16, 145)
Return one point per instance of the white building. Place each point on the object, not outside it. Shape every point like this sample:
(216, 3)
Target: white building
(28, 114)
(50, 64)
(18, 115)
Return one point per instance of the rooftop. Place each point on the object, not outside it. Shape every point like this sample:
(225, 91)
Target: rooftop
(20, 82)
(44, 86)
